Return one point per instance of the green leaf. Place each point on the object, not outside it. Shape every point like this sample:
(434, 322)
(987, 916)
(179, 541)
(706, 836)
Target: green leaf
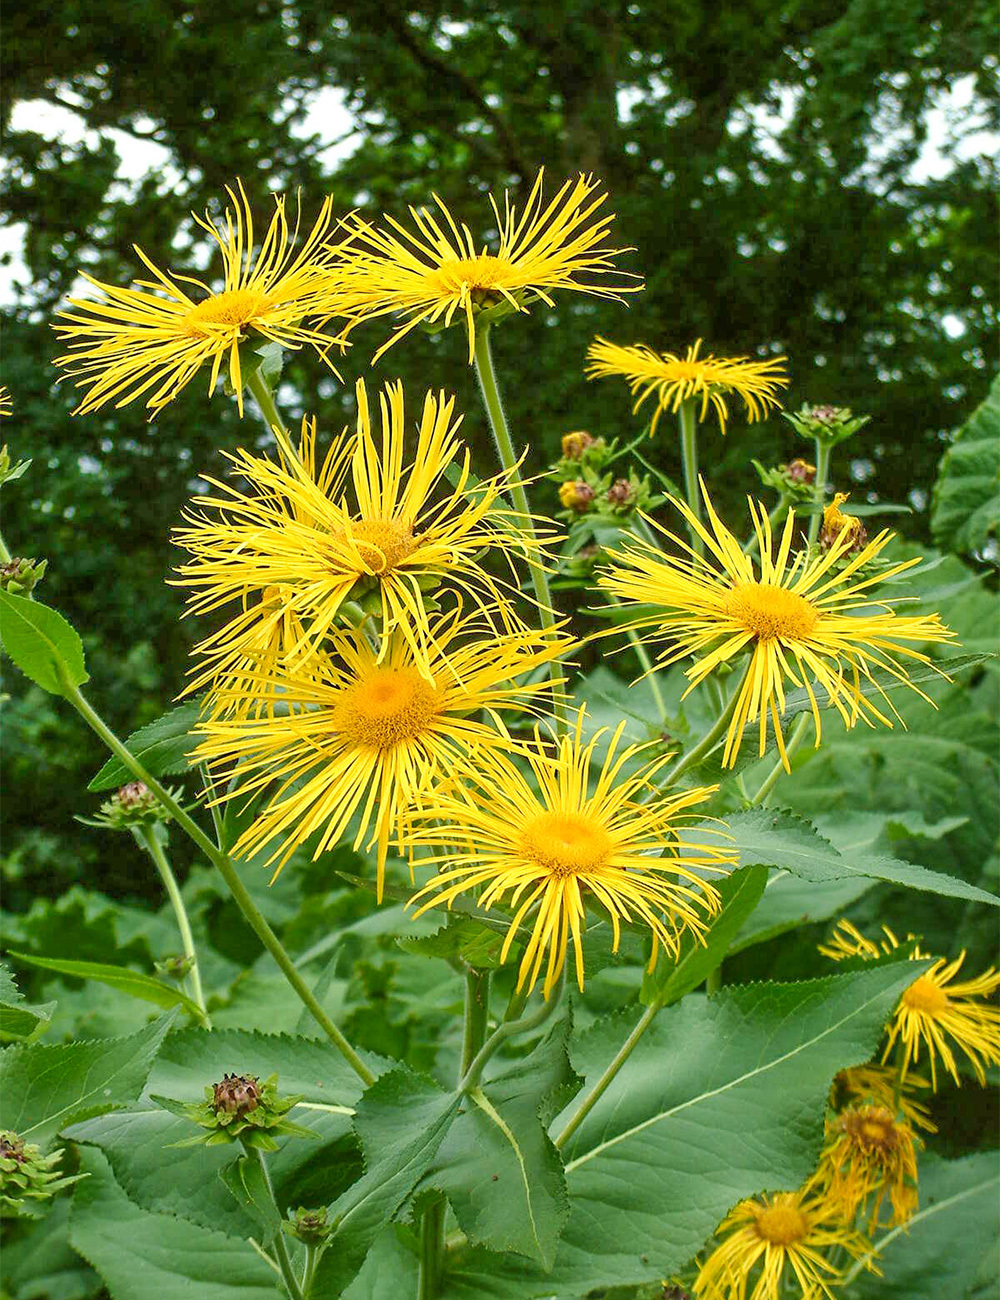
(42, 644)
(162, 747)
(141, 1255)
(941, 1249)
(44, 1087)
(19, 1020)
(670, 980)
(391, 1270)
(245, 1180)
(722, 1097)
(40, 1264)
(401, 1120)
(498, 1166)
(467, 939)
(780, 839)
(135, 983)
(965, 502)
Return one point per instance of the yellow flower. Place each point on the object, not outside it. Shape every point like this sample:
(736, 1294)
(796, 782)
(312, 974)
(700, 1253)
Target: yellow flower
(877, 1085)
(156, 336)
(363, 733)
(546, 848)
(837, 524)
(6, 405)
(932, 1009)
(801, 622)
(436, 272)
(401, 532)
(868, 1153)
(673, 379)
(782, 1241)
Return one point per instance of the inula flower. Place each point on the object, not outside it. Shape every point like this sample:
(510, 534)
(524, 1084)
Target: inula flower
(436, 272)
(771, 1243)
(364, 731)
(800, 621)
(573, 835)
(935, 1011)
(869, 1155)
(880, 1085)
(672, 379)
(153, 338)
(297, 542)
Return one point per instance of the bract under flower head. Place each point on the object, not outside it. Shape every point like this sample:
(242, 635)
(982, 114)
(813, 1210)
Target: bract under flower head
(801, 621)
(156, 336)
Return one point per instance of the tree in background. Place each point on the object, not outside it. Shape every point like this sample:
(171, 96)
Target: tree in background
(762, 159)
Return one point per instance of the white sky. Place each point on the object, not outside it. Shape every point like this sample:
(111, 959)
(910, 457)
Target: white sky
(953, 116)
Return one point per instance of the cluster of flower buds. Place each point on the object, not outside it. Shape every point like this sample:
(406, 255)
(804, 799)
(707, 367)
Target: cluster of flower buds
(834, 524)
(174, 968)
(794, 481)
(27, 1178)
(20, 575)
(827, 424)
(311, 1227)
(133, 805)
(587, 488)
(239, 1108)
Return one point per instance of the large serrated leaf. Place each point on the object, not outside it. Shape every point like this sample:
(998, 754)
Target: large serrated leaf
(44, 1086)
(965, 503)
(141, 1255)
(135, 983)
(20, 1020)
(42, 643)
(163, 748)
(780, 839)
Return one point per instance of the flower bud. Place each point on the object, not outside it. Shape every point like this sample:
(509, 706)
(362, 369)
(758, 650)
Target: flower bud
(237, 1094)
(800, 471)
(835, 522)
(133, 805)
(826, 423)
(174, 968)
(576, 495)
(19, 575)
(621, 493)
(575, 444)
(26, 1176)
(309, 1226)
(239, 1108)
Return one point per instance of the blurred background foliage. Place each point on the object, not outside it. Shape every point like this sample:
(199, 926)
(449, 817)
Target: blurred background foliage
(767, 162)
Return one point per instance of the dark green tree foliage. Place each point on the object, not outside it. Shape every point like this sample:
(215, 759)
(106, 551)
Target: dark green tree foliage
(821, 242)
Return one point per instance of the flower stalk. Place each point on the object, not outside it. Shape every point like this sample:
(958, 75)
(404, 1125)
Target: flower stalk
(146, 836)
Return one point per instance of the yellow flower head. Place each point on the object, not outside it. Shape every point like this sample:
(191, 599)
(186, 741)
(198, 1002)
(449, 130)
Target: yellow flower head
(869, 1153)
(778, 1242)
(400, 531)
(672, 380)
(801, 622)
(6, 405)
(544, 848)
(933, 1009)
(436, 272)
(363, 732)
(156, 336)
(877, 1085)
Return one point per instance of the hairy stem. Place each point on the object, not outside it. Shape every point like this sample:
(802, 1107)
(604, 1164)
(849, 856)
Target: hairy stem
(146, 836)
(222, 862)
(822, 474)
(477, 1013)
(431, 1251)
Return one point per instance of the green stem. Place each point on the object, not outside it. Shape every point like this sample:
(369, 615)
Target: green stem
(646, 664)
(600, 1087)
(5, 555)
(776, 518)
(510, 1028)
(713, 981)
(265, 401)
(313, 1254)
(689, 459)
(707, 742)
(222, 862)
(147, 837)
(477, 1014)
(431, 1251)
(508, 459)
(280, 1249)
(823, 450)
(794, 741)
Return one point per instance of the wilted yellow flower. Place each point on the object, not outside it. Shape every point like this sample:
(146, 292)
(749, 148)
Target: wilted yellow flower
(836, 525)
(673, 379)
(436, 272)
(878, 1085)
(868, 1155)
(156, 336)
(363, 731)
(544, 847)
(401, 532)
(802, 622)
(780, 1241)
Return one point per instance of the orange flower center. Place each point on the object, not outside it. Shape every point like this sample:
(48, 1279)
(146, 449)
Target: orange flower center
(386, 707)
(232, 309)
(782, 1224)
(565, 843)
(872, 1129)
(482, 272)
(769, 613)
(688, 370)
(383, 543)
(925, 996)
